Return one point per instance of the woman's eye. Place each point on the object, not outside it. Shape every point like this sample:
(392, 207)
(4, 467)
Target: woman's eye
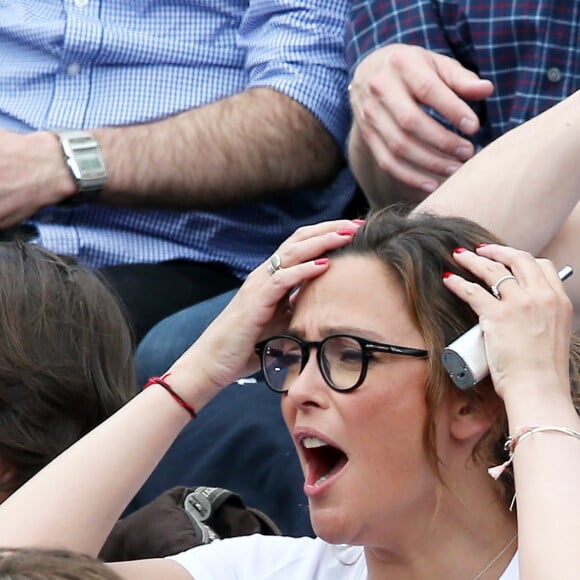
(350, 355)
(289, 359)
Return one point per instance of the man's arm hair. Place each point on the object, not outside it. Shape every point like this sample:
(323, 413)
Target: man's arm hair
(241, 148)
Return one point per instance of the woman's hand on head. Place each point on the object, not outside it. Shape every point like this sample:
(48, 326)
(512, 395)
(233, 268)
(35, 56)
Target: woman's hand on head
(527, 330)
(262, 306)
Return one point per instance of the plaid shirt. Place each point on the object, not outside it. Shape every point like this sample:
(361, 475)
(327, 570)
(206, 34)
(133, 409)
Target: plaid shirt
(89, 63)
(528, 49)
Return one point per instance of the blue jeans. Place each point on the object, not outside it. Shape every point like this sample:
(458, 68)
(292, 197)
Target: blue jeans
(238, 441)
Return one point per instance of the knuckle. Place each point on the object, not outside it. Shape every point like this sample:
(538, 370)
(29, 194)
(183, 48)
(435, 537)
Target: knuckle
(423, 88)
(407, 120)
(397, 145)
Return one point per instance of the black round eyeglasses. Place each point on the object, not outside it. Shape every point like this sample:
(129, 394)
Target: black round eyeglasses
(343, 359)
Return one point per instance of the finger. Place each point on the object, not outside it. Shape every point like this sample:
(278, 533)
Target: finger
(399, 169)
(400, 103)
(522, 264)
(405, 149)
(321, 228)
(464, 84)
(491, 272)
(293, 251)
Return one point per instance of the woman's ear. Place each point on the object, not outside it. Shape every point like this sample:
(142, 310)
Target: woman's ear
(469, 419)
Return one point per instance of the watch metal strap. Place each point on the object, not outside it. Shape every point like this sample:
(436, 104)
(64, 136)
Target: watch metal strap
(85, 162)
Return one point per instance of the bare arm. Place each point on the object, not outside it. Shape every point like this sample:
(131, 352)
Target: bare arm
(242, 148)
(92, 481)
(525, 187)
(527, 339)
(238, 149)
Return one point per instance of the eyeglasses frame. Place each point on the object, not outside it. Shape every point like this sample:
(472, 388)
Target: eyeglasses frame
(367, 348)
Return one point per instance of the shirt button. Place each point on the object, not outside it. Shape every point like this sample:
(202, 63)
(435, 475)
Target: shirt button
(554, 74)
(72, 70)
(81, 3)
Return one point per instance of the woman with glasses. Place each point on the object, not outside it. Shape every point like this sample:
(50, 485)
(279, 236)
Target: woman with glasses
(349, 323)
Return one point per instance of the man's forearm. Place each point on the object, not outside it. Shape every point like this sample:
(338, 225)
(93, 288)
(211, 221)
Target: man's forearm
(238, 149)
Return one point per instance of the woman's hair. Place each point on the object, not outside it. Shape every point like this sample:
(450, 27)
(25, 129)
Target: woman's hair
(66, 359)
(417, 250)
(41, 564)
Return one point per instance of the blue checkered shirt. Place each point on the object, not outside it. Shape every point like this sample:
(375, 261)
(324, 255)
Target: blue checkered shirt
(91, 63)
(530, 50)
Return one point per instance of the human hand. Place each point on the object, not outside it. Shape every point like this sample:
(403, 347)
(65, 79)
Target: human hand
(527, 331)
(387, 92)
(260, 308)
(33, 175)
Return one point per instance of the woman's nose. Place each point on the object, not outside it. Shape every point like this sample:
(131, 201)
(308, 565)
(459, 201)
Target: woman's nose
(309, 387)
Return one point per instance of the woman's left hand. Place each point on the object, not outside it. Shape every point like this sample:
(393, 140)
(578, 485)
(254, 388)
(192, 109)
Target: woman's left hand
(261, 307)
(527, 327)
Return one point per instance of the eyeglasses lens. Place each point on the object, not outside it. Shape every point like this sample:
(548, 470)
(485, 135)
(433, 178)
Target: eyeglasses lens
(282, 363)
(342, 360)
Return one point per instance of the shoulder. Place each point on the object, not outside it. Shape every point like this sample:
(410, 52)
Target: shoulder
(260, 556)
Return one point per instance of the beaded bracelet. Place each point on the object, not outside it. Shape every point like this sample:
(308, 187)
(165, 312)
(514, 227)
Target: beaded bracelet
(180, 401)
(521, 434)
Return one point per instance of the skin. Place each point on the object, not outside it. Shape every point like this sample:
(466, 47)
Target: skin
(241, 148)
(387, 497)
(469, 527)
(397, 151)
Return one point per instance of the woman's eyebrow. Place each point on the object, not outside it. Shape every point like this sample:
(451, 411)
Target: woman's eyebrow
(343, 329)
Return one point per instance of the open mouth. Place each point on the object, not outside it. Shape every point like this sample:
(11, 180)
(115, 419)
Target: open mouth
(323, 460)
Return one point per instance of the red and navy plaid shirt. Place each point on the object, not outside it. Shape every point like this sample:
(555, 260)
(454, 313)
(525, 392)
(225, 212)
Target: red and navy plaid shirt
(530, 50)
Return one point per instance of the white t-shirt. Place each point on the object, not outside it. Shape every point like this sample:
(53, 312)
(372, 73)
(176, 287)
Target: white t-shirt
(274, 557)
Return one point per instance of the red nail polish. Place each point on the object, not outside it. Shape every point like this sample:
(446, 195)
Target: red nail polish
(447, 274)
(322, 261)
(481, 245)
(459, 250)
(345, 232)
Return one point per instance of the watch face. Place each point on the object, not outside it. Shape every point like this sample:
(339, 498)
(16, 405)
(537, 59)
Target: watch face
(90, 165)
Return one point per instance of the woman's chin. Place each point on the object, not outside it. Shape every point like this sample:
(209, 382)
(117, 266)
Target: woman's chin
(330, 528)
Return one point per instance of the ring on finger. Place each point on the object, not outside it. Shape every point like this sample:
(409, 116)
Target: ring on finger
(274, 264)
(495, 287)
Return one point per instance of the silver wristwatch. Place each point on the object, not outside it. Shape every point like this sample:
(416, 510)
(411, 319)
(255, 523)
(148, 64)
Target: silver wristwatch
(85, 162)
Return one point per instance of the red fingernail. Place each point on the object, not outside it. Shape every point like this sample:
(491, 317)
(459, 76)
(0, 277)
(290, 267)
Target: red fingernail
(447, 274)
(481, 245)
(345, 232)
(321, 261)
(358, 221)
(459, 250)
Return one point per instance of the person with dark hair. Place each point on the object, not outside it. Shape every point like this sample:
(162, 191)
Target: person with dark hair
(66, 361)
(349, 330)
(516, 187)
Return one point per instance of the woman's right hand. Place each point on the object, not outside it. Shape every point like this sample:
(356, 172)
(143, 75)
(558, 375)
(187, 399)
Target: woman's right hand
(261, 307)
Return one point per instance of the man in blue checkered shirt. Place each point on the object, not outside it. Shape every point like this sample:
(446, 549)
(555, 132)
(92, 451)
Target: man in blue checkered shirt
(416, 64)
(221, 126)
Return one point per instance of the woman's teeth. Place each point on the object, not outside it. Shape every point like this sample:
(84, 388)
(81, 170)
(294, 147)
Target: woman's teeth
(313, 442)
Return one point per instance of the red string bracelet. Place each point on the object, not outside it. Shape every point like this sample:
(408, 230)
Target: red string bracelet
(181, 402)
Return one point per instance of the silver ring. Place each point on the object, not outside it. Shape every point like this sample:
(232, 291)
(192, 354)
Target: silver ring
(274, 264)
(495, 287)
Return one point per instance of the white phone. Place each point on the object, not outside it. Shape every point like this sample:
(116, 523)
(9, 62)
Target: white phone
(464, 359)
